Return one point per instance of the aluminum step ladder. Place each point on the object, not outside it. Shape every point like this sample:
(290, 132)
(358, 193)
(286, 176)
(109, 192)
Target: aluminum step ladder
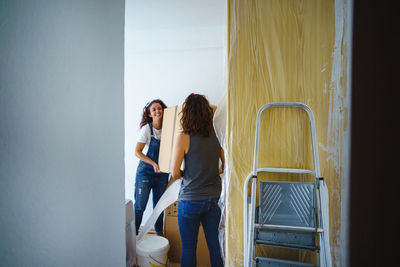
(289, 214)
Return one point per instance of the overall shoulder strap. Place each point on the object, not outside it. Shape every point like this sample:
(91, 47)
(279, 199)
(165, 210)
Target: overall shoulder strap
(151, 129)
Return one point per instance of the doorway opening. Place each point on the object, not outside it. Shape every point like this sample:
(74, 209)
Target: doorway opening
(172, 48)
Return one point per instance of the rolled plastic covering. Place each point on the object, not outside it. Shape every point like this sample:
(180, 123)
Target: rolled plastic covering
(219, 122)
(169, 197)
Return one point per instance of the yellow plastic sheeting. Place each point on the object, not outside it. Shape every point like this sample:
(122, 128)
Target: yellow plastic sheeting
(284, 51)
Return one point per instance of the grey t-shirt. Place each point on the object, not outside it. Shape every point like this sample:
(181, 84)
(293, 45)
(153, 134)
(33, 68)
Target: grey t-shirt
(201, 178)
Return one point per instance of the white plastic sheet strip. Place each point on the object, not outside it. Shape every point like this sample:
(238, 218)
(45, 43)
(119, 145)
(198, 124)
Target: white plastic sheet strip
(325, 247)
(168, 198)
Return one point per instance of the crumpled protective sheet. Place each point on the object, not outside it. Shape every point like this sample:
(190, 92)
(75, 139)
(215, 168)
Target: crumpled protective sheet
(219, 122)
(285, 51)
(168, 197)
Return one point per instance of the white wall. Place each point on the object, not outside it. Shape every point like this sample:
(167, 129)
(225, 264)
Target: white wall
(62, 133)
(172, 48)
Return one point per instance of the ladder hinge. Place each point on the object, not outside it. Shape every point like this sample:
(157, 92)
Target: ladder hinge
(318, 180)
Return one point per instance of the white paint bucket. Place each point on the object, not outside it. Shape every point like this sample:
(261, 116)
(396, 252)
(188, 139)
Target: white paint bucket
(152, 251)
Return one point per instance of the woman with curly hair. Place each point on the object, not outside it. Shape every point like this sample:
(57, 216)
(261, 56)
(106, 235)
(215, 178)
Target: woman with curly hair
(198, 198)
(148, 175)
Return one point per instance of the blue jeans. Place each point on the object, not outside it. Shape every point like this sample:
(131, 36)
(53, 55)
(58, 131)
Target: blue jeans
(190, 214)
(147, 180)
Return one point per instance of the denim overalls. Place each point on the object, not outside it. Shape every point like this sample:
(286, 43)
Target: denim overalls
(146, 180)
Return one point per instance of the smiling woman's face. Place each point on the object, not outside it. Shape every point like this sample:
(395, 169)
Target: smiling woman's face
(156, 111)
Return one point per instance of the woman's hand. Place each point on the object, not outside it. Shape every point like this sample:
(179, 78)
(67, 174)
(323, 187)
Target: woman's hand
(156, 167)
(222, 157)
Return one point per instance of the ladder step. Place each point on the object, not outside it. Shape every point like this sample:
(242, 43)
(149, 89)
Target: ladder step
(288, 246)
(304, 241)
(288, 228)
(270, 262)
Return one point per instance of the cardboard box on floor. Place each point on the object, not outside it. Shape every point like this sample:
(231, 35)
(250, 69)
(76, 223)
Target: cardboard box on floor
(170, 128)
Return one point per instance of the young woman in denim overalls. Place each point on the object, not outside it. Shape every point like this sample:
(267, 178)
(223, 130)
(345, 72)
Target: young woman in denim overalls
(148, 175)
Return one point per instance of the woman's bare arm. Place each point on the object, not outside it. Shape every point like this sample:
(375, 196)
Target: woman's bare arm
(180, 149)
(138, 153)
(222, 157)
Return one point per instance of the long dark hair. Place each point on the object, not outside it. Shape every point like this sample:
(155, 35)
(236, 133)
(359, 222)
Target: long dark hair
(197, 116)
(146, 112)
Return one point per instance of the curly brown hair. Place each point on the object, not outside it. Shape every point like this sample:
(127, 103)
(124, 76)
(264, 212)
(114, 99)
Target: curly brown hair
(197, 116)
(146, 112)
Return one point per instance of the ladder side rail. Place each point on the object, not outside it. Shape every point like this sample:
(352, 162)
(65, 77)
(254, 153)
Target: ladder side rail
(323, 261)
(250, 246)
(246, 226)
(322, 257)
(313, 139)
(251, 224)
